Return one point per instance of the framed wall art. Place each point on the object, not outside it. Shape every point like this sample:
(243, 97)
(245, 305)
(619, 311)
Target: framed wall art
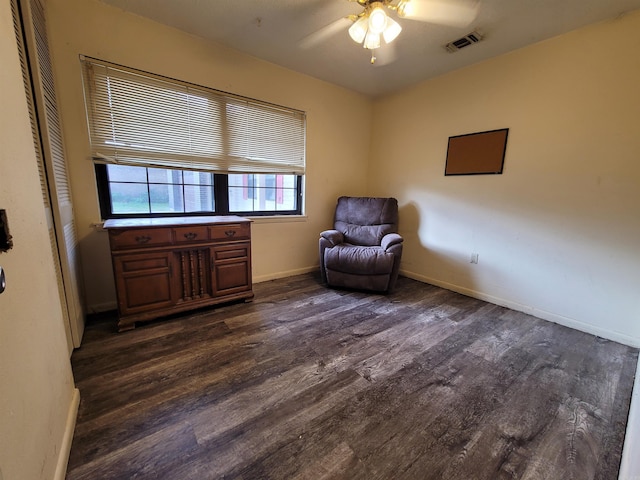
(479, 153)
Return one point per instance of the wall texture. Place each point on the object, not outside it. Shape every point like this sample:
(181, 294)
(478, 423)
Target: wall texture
(337, 153)
(558, 232)
(38, 401)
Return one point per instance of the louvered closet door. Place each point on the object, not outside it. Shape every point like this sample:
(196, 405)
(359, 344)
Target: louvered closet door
(35, 131)
(52, 156)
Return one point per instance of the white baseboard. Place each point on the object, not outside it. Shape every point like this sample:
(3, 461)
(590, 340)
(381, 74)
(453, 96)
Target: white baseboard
(544, 315)
(288, 273)
(552, 317)
(65, 447)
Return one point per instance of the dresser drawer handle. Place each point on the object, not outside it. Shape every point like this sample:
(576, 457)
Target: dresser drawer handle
(143, 239)
(190, 235)
(229, 233)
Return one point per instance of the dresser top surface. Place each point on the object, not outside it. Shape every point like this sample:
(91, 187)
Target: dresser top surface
(172, 221)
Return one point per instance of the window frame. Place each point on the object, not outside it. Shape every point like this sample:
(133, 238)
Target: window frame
(220, 195)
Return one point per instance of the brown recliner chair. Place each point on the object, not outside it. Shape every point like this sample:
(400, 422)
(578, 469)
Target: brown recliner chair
(363, 250)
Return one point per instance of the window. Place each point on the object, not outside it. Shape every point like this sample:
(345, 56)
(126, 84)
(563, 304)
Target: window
(130, 191)
(263, 193)
(164, 147)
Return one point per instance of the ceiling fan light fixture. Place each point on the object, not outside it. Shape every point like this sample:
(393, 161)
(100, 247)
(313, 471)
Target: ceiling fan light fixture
(372, 40)
(378, 18)
(405, 8)
(374, 23)
(392, 31)
(358, 30)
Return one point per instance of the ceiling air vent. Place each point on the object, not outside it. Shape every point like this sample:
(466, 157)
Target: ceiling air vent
(468, 39)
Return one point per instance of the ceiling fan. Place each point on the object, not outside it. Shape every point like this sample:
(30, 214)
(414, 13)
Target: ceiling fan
(375, 25)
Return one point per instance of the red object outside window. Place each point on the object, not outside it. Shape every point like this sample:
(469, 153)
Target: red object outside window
(279, 190)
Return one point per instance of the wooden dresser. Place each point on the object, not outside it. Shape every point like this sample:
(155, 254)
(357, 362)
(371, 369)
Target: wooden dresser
(167, 265)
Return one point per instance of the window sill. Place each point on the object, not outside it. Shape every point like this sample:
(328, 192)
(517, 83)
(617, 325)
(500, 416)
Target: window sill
(277, 218)
(99, 226)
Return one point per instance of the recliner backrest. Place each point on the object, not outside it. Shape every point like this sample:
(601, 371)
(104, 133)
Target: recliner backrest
(365, 220)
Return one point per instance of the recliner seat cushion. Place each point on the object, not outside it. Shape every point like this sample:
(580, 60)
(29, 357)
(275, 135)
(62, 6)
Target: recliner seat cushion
(359, 260)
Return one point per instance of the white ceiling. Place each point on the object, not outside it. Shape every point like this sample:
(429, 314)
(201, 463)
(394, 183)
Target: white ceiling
(279, 30)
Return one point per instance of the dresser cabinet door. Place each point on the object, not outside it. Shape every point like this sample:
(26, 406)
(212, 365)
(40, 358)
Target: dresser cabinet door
(231, 268)
(143, 281)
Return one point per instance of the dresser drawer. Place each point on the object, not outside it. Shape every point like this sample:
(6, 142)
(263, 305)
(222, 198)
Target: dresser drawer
(136, 238)
(195, 233)
(230, 252)
(230, 231)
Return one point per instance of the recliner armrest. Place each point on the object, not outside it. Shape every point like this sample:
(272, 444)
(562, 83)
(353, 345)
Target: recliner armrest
(391, 239)
(334, 236)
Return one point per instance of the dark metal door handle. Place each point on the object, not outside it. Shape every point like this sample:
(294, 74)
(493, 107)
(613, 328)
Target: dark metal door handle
(3, 280)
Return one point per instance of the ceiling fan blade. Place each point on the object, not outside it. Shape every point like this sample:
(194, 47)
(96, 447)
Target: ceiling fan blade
(319, 36)
(454, 13)
(385, 55)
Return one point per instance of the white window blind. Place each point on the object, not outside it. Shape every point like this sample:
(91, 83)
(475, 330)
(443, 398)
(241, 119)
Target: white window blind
(137, 118)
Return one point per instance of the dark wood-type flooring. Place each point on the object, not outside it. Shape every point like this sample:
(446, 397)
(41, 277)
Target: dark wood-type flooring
(311, 383)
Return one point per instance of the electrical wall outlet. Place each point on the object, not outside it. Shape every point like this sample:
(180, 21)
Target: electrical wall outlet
(474, 258)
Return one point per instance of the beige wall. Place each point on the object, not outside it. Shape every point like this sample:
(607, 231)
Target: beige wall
(37, 396)
(337, 153)
(558, 232)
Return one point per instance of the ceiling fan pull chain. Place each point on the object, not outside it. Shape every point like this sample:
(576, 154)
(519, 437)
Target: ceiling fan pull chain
(373, 56)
